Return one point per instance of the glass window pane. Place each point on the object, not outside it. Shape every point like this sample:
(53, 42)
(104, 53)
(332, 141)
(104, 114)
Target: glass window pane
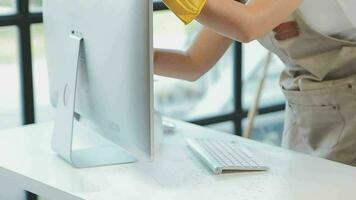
(268, 128)
(7, 7)
(10, 107)
(35, 5)
(254, 56)
(209, 96)
(44, 110)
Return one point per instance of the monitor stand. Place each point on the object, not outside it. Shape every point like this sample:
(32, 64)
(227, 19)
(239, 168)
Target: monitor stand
(62, 139)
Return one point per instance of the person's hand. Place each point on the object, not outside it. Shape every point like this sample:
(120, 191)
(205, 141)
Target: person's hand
(286, 31)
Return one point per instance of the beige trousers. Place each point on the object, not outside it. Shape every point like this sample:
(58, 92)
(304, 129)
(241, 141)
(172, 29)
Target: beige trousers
(319, 83)
(322, 121)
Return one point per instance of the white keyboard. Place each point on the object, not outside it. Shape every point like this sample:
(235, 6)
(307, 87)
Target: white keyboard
(222, 156)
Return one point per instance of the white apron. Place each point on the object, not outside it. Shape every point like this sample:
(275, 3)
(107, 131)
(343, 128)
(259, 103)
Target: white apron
(319, 84)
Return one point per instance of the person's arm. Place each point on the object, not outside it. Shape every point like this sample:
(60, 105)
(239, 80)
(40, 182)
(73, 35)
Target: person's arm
(233, 19)
(190, 65)
(204, 53)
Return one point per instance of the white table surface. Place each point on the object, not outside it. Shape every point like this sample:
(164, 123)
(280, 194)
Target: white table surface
(27, 160)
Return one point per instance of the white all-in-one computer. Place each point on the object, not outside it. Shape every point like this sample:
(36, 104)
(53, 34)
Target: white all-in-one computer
(99, 56)
(101, 70)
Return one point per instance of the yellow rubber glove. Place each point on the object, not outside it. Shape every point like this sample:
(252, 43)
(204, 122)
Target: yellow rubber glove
(185, 10)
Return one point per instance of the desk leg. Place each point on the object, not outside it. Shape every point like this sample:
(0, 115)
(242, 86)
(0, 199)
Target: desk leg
(31, 196)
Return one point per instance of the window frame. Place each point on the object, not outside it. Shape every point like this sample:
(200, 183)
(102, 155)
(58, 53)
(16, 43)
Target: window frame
(239, 113)
(22, 18)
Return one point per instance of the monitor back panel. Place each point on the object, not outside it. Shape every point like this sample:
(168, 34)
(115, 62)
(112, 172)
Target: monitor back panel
(114, 92)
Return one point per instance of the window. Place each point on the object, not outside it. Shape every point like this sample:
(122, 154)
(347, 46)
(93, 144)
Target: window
(242, 64)
(10, 112)
(254, 57)
(185, 100)
(196, 102)
(7, 7)
(268, 128)
(35, 5)
(234, 78)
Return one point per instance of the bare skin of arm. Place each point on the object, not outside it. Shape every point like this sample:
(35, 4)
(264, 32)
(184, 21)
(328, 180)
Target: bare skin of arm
(246, 22)
(226, 20)
(190, 65)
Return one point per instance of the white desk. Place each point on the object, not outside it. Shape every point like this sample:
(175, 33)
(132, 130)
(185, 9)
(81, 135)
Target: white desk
(27, 160)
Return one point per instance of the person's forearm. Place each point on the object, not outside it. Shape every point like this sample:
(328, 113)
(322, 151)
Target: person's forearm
(245, 22)
(202, 55)
(175, 64)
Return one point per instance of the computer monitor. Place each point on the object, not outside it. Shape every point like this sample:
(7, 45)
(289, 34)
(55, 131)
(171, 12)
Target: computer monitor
(99, 56)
